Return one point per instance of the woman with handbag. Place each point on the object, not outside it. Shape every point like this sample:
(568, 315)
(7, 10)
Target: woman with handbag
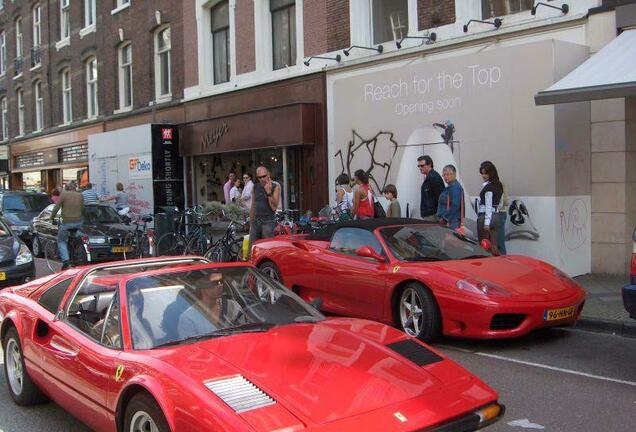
(490, 197)
(363, 203)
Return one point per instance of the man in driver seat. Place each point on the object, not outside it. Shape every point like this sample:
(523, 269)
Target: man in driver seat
(209, 311)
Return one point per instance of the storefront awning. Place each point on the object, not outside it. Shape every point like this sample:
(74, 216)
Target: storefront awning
(610, 73)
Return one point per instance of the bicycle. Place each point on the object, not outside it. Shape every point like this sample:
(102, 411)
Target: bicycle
(78, 251)
(228, 247)
(195, 241)
(140, 243)
(285, 222)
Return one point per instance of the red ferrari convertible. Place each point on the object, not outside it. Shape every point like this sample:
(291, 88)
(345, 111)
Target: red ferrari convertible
(180, 344)
(422, 277)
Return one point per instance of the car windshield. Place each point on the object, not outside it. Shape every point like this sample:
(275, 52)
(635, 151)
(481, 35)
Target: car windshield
(25, 203)
(189, 305)
(430, 243)
(101, 214)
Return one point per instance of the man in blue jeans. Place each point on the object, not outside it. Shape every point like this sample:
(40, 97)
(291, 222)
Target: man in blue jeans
(72, 205)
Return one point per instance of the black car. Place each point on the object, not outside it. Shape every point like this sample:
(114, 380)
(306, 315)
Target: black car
(16, 261)
(104, 228)
(18, 210)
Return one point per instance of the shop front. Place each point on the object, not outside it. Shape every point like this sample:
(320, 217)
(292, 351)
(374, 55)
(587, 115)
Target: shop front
(280, 128)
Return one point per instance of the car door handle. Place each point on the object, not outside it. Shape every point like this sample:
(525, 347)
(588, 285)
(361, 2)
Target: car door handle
(60, 350)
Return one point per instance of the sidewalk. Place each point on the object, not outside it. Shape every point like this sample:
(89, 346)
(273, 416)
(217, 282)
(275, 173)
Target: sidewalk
(604, 309)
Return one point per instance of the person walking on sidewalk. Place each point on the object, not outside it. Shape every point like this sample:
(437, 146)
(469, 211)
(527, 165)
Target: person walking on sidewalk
(362, 196)
(72, 205)
(393, 210)
(265, 200)
(432, 187)
(489, 200)
(450, 206)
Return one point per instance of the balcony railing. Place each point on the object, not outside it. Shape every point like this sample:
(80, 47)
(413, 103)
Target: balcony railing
(36, 56)
(17, 66)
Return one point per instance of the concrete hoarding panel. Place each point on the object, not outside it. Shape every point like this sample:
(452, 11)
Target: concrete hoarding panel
(381, 119)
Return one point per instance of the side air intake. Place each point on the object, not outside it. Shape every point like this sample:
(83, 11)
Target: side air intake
(239, 393)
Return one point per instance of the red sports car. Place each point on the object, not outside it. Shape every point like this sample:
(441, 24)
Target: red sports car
(181, 344)
(422, 277)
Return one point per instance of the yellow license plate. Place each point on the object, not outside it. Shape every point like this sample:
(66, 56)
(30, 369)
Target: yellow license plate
(120, 249)
(3, 276)
(559, 314)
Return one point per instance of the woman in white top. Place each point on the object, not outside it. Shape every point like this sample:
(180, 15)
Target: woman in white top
(235, 192)
(344, 194)
(248, 189)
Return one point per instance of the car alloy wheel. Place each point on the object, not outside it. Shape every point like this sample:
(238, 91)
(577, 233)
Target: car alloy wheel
(37, 247)
(411, 315)
(143, 422)
(15, 373)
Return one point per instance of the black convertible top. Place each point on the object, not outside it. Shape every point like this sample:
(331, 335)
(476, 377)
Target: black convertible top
(326, 233)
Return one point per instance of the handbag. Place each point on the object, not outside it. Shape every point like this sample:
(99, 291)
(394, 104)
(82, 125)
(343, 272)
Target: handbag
(378, 210)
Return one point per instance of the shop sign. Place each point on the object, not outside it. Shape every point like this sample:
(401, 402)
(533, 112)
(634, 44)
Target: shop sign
(167, 167)
(210, 140)
(139, 168)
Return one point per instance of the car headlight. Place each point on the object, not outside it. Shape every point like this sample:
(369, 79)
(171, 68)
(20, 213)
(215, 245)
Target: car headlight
(476, 286)
(96, 240)
(24, 255)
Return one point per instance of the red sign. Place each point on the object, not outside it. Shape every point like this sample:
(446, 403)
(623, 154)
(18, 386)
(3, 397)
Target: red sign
(166, 133)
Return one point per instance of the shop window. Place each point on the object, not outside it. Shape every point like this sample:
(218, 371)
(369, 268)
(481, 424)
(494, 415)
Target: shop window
(67, 100)
(4, 117)
(221, 42)
(32, 181)
(493, 8)
(89, 13)
(39, 106)
(283, 32)
(163, 77)
(20, 97)
(390, 20)
(3, 53)
(125, 76)
(18, 38)
(92, 107)
(65, 19)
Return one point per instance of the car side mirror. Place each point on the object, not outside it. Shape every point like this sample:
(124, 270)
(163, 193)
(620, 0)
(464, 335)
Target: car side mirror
(369, 252)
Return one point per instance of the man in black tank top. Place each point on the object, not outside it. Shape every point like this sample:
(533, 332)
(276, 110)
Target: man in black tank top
(265, 199)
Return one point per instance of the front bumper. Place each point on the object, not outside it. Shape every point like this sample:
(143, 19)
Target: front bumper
(104, 253)
(17, 275)
(629, 299)
(473, 319)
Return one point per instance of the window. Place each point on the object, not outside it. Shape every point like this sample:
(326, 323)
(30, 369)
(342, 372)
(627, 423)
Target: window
(4, 112)
(390, 20)
(125, 76)
(3, 53)
(348, 240)
(283, 32)
(20, 96)
(65, 19)
(37, 26)
(89, 13)
(162, 63)
(122, 3)
(67, 101)
(493, 8)
(221, 42)
(91, 88)
(53, 296)
(39, 105)
(18, 37)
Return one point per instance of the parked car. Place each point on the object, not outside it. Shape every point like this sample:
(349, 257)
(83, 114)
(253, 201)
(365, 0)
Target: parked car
(181, 344)
(427, 279)
(16, 260)
(103, 227)
(629, 291)
(18, 210)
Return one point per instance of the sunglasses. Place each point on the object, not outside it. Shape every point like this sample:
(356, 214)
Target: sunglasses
(261, 177)
(421, 166)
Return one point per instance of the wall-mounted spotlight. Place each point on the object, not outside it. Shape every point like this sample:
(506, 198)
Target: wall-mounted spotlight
(379, 49)
(336, 58)
(429, 39)
(497, 23)
(564, 8)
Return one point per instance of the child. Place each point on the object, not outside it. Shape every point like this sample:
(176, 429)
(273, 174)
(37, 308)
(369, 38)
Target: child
(393, 210)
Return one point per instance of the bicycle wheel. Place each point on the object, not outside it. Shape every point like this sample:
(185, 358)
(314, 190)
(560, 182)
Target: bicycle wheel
(235, 250)
(216, 253)
(130, 250)
(77, 253)
(144, 246)
(171, 244)
(52, 256)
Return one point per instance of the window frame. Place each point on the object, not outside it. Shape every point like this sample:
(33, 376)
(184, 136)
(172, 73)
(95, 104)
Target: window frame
(67, 92)
(37, 26)
(65, 20)
(3, 52)
(91, 83)
(381, 252)
(215, 31)
(158, 65)
(68, 282)
(19, 94)
(90, 19)
(4, 117)
(19, 38)
(372, 9)
(38, 101)
(293, 48)
(505, 4)
(123, 76)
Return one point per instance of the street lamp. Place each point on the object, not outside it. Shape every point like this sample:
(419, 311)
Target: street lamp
(496, 23)
(564, 8)
(429, 39)
(336, 58)
(379, 49)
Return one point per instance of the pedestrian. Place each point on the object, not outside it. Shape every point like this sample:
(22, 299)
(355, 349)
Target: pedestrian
(432, 187)
(228, 186)
(265, 200)
(120, 197)
(489, 200)
(55, 195)
(344, 197)
(89, 195)
(390, 193)
(248, 189)
(235, 192)
(72, 205)
(362, 196)
(501, 215)
(451, 200)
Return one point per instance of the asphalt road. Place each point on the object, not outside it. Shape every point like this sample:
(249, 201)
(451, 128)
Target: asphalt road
(559, 380)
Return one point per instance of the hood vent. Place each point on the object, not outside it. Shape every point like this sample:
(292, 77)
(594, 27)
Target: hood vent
(239, 393)
(415, 352)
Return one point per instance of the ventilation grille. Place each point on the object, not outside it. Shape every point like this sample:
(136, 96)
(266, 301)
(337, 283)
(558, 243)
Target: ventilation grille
(415, 352)
(506, 321)
(240, 394)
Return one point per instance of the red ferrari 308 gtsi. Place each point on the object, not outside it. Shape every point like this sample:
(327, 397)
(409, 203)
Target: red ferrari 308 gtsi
(181, 344)
(425, 278)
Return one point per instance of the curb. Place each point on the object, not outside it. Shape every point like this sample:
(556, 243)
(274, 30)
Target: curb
(618, 328)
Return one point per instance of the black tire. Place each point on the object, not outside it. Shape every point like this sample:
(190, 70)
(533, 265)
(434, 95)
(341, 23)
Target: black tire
(129, 244)
(143, 407)
(216, 253)
(28, 393)
(429, 327)
(77, 253)
(144, 247)
(171, 244)
(271, 270)
(36, 247)
(196, 246)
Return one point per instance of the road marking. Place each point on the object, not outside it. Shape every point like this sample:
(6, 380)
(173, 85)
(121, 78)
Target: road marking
(525, 423)
(557, 369)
